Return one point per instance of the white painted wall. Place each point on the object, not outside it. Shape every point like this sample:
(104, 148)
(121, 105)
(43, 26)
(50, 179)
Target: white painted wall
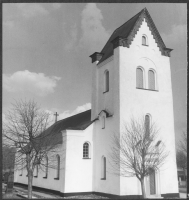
(50, 182)
(102, 137)
(78, 170)
(124, 101)
(159, 104)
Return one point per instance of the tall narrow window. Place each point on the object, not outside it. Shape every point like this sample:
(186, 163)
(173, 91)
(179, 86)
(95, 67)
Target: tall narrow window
(151, 80)
(21, 166)
(106, 81)
(46, 168)
(103, 170)
(144, 40)
(147, 125)
(58, 167)
(139, 78)
(36, 171)
(103, 122)
(85, 150)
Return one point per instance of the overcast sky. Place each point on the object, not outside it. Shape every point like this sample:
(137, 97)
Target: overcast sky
(46, 49)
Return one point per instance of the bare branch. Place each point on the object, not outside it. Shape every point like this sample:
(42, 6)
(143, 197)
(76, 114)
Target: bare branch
(26, 129)
(136, 151)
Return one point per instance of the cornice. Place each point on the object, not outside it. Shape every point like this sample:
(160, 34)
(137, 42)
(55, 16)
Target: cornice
(96, 56)
(106, 61)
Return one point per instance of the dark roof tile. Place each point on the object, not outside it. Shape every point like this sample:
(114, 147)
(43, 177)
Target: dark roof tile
(122, 31)
(77, 122)
(129, 29)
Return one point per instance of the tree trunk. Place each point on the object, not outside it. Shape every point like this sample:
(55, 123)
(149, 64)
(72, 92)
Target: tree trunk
(30, 180)
(143, 188)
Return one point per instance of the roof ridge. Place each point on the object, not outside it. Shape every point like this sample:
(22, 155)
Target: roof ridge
(129, 19)
(72, 116)
(139, 13)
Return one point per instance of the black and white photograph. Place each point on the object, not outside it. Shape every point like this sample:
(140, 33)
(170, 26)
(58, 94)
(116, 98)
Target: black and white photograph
(94, 100)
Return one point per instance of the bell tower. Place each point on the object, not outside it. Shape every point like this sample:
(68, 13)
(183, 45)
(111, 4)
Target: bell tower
(131, 76)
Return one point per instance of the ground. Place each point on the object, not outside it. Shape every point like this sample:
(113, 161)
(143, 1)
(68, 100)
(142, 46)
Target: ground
(20, 193)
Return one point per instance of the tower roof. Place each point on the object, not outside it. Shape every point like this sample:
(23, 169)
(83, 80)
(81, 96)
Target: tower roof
(128, 31)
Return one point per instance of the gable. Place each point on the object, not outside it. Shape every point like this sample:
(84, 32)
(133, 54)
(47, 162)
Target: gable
(145, 15)
(124, 35)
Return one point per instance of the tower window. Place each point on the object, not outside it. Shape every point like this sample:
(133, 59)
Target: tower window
(147, 125)
(151, 80)
(106, 81)
(144, 40)
(103, 122)
(103, 168)
(139, 78)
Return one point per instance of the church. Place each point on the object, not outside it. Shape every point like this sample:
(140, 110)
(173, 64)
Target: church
(131, 76)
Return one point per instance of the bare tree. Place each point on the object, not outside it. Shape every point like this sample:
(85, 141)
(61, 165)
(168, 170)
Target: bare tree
(182, 154)
(26, 129)
(8, 161)
(137, 151)
(182, 161)
(183, 143)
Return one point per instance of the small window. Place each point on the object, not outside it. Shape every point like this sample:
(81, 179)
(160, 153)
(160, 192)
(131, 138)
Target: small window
(85, 150)
(57, 167)
(103, 168)
(144, 40)
(106, 81)
(139, 78)
(103, 122)
(151, 80)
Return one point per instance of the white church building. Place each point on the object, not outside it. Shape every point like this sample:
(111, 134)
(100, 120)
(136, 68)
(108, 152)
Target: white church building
(131, 76)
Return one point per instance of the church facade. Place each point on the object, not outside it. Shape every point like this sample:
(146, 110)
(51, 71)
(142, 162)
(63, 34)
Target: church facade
(131, 76)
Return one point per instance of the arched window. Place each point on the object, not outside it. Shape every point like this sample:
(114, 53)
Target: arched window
(85, 150)
(57, 167)
(151, 80)
(46, 167)
(103, 168)
(21, 166)
(106, 81)
(144, 40)
(147, 125)
(152, 179)
(103, 122)
(139, 78)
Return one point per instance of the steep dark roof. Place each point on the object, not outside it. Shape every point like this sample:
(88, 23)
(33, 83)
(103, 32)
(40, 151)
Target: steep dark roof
(128, 31)
(51, 135)
(122, 31)
(77, 122)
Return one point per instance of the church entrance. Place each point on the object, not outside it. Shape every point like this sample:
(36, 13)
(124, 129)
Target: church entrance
(152, 182)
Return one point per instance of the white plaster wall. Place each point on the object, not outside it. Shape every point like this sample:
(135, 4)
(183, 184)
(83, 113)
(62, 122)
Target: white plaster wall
(124, 101)
(138, 102)
(78, 171)
(94, 92)
(50, 182)
(102, 137)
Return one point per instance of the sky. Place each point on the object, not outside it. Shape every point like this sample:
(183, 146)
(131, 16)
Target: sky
(46, 49)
